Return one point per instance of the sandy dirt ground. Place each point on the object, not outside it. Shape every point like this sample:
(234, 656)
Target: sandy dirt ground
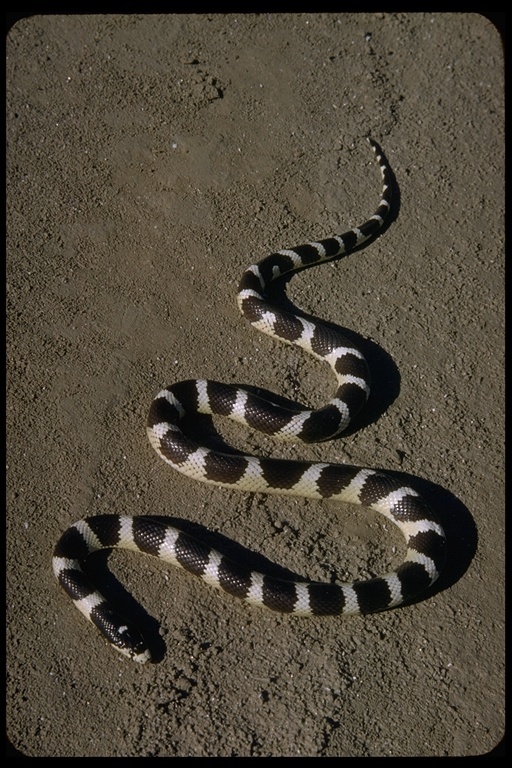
(151, 158)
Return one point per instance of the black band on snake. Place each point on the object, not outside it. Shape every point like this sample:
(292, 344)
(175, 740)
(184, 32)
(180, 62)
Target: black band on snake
(401, 504)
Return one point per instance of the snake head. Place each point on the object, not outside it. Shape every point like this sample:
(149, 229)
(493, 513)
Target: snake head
(123, 635)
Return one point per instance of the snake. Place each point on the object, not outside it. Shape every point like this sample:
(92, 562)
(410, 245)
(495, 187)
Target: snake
(372, 489)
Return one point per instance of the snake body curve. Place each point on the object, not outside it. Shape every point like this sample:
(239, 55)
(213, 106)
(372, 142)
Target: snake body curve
(401, 504)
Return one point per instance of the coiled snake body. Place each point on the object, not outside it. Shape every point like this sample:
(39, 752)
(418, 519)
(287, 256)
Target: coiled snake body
(400, 503)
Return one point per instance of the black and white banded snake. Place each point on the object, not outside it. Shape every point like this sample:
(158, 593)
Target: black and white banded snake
(401, 504)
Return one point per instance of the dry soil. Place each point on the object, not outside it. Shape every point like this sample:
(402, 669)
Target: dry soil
(151, 159)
